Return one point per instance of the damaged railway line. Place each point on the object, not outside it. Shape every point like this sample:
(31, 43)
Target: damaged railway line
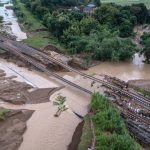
(41, 60)
(26, 51)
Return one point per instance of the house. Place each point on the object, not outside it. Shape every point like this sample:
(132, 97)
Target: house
(89, 8)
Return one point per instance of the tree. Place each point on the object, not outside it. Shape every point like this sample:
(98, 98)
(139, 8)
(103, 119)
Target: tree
(76, 15)
(72, 32)
(115, 49)
(1, 19)
(58, 24)
(106, 14)
(146, 49)
(60, 102)
(125, 29)
(87, 25)
(141, 12)
(97, 3)
(59, 2)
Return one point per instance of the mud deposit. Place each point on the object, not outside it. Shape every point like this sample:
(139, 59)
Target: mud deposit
(76, 137)
(12, 128)
(44, 131)
(16, 92)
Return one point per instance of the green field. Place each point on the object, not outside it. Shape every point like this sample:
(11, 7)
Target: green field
(128, 2)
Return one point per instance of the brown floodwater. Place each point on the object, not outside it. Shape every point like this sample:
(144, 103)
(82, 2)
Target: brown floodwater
(130, 70)
(44, 131)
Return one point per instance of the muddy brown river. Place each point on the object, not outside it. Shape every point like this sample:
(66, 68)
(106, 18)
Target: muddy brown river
(130, 70)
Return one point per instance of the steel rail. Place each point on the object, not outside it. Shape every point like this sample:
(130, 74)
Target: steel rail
(42, 67)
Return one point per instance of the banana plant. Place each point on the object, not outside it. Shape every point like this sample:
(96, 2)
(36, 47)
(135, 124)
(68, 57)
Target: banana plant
(59, 101)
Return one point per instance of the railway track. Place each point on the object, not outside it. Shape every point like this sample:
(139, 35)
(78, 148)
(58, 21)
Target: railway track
(51, 59)
(22, 48)
(15, 49)
(134, 116)
(42, 67)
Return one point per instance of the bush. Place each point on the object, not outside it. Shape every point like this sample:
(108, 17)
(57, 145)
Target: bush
(1, 19)
(3, 113)
(110, 129)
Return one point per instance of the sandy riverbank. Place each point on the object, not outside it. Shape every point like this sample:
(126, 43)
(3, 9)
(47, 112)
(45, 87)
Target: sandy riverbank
(44, 131)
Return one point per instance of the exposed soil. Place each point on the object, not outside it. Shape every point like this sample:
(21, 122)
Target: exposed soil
(140, 30)
(52, 48)
(77, 61)
(11, 90)
(144, 84)
(12, 128)
(40, 95)
(15, 59)
(22, 63)
(76, 137)
(16, 92)
(3, 33)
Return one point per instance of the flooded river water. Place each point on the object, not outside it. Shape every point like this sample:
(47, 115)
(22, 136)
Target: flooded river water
(44, 131)
(131, 70)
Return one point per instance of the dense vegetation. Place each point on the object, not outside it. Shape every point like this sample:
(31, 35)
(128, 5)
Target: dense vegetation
(31, 25)
(110, 129)
(104, 35)
(1, 19)
(146, 43)
(3, 113)
(142, 90)
(127, 2)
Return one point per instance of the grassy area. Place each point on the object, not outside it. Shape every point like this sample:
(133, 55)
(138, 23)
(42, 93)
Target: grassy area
(3, 113)
(30, 24)
(141, 90)
(86, 137)
(2, 51)
(110, 130)
(128, 2)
